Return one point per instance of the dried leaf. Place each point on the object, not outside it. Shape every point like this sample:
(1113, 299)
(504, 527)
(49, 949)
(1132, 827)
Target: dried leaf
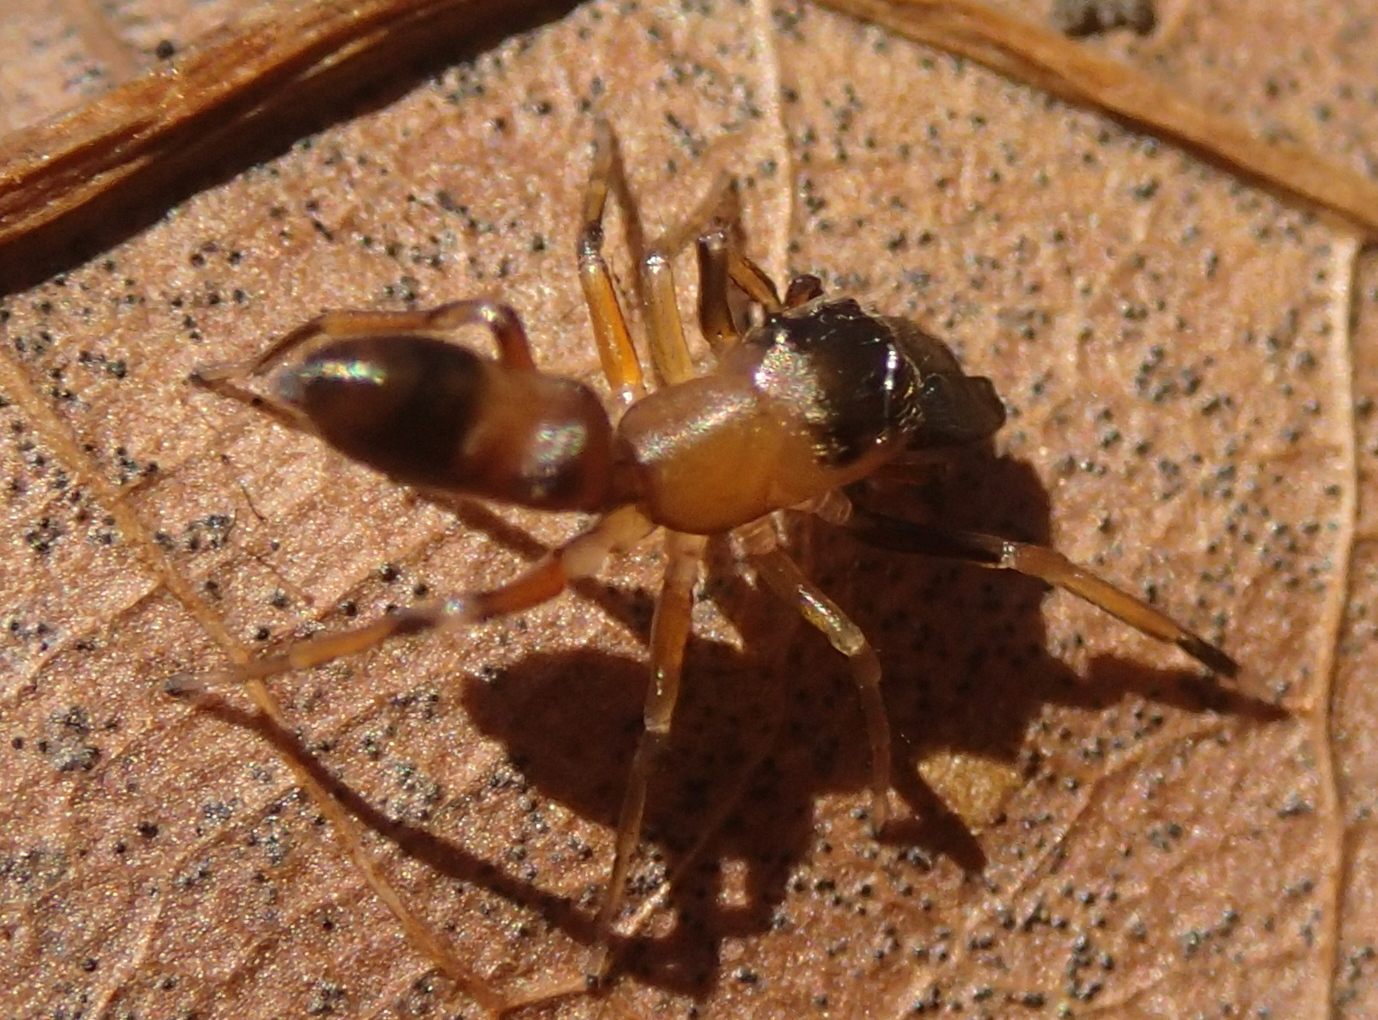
(1190, 389)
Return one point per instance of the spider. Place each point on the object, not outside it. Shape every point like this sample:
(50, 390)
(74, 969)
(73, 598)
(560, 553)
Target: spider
(808, 398)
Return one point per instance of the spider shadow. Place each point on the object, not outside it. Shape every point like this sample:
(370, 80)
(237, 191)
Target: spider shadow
(761, 735)
(965, 648)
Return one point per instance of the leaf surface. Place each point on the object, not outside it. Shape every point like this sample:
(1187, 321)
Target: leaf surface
(1189, 370)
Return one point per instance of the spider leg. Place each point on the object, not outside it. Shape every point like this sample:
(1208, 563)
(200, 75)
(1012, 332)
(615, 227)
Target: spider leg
(580, 557)
(715, 313)
(1036, 561)
(669, 350)
(714, 222)
(717, 244)
(784, 578)
(669, 633)
(720, 262)
(615, 351)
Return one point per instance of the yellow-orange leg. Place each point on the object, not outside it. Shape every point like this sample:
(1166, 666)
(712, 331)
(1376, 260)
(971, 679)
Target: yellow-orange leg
(715, 311)
(669, 350)
(580, 557)
(784, 578)
(1036, 561)
(719, 262)
(716, 244)
(669, 633)
(615, 350)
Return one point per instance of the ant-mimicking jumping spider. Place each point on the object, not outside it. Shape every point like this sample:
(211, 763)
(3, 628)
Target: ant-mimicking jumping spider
(813, 397)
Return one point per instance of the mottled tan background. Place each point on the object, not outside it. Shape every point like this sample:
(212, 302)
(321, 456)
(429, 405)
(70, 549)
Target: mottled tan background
(1190, 370)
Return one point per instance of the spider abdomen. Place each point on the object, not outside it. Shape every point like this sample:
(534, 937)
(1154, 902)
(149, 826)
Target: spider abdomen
(435, 415)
